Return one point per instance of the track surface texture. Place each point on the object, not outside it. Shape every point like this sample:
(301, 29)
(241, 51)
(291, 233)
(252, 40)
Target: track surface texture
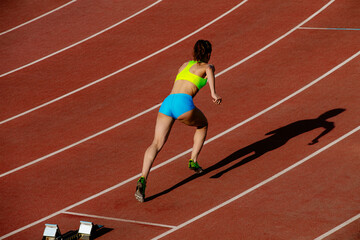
(80, 87)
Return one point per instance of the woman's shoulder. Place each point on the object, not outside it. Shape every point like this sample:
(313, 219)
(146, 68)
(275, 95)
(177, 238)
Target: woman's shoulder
(183, 66)
(204, 64)
(207, 66)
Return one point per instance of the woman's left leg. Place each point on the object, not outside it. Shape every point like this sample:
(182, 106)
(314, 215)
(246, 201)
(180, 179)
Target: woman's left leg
(197, 119)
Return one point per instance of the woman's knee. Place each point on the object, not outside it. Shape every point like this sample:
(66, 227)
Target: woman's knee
(203, 124)
(158, 143)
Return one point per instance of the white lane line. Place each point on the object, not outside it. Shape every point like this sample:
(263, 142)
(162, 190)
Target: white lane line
(79, 142)
(124, 68)
(119, 219)
(281, 37)
(162, 164)
(317, 28)
(37, 18)
(154, 107)
(257, 185)
(77, 43)
(338, 227)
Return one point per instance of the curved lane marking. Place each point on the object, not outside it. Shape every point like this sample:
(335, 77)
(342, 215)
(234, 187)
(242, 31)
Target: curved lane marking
(124, 68)
(77, 43)
(337, 228)
(37, 18)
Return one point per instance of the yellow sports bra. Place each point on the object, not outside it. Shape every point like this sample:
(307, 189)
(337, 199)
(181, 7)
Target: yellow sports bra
(185, 74)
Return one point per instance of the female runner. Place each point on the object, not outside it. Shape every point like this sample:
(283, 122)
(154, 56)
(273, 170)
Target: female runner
(179, 105)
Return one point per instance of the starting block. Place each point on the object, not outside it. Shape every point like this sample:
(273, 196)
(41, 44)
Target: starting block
(87, 231)
(51, 232)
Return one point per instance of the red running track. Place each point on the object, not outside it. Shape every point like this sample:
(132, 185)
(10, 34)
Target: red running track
(322, 193)
(14, 13)
(62, 28)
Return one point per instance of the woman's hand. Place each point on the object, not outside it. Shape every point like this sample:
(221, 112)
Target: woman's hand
(216, 98)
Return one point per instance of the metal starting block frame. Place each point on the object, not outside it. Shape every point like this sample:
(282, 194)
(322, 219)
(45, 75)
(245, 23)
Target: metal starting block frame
(71, 235)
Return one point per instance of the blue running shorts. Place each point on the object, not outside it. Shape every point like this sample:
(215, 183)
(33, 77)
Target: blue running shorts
(177, 104)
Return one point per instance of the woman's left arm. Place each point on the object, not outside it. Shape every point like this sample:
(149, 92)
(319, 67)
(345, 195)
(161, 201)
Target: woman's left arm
(210, 69)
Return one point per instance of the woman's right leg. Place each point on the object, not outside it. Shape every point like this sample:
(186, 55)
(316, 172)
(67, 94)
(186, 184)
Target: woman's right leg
(196, 118)
(162, 131)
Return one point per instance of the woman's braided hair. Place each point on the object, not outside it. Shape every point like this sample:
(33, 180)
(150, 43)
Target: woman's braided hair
(201, 50)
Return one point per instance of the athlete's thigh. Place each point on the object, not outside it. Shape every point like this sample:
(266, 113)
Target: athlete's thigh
(163, 127)
(193, 118)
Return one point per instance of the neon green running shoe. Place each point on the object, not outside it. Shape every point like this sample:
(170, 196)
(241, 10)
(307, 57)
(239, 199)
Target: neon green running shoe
(140, 189)
(195, 166)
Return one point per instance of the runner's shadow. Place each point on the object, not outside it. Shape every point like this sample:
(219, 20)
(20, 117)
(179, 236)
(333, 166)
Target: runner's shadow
(278, 138)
